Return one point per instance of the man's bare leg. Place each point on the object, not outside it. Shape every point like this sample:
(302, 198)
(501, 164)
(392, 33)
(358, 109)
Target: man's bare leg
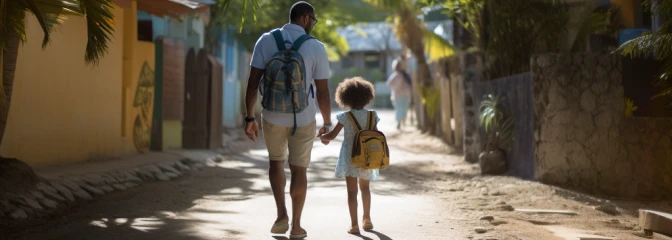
(297, 190)
(278, 181)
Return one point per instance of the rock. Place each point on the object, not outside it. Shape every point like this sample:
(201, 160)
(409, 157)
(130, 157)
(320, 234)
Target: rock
(82, 194)
(128, 177)
(496, 193)
(506, 207)
(71, 184)
(161, 176)
(94, 179)
(480, 230)
(171, 174)
(110, 179)
(49, 203)
(64, 191)
(32, 203)
(19, 214)
(152, 168)
(106, 188)
(37, 194)
(49, 191)
(487, 218)
(498, 222)
(77, 189)
(492, 162)
(93, 189)
(607, 208)
(168, 169)
(144, 174)
(181, 166)
(6, 207)
(198, 166)
(130, 184)
(119, 186)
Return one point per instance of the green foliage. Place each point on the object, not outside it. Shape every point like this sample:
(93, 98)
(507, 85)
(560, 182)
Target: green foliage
(49, 13)
(497, 124)
(270, 14)
(658, 44)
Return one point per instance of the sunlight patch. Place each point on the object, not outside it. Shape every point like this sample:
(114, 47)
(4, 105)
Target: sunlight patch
(142, 224)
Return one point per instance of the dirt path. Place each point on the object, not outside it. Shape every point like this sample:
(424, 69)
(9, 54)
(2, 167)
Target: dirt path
(428, 193)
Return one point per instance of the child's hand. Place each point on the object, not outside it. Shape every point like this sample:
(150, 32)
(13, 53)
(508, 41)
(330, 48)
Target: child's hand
(324, 141)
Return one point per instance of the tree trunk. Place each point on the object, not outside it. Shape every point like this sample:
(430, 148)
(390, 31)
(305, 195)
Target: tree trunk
(9, 57)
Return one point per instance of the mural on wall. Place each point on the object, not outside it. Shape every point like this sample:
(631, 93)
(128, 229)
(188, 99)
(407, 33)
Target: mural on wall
(144, 99)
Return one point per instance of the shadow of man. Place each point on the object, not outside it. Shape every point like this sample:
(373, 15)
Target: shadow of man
(380, 235)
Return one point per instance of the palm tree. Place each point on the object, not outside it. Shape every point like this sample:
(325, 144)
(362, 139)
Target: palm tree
(414, 36)
(49, 13)
(658, 42)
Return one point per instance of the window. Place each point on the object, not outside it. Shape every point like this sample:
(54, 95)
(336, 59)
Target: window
(372, 60)
(347, 62)
(145, 30)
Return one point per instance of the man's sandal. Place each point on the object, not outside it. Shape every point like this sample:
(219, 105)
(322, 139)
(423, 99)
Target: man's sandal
(280, 228)
(299, 236)
(368, 225)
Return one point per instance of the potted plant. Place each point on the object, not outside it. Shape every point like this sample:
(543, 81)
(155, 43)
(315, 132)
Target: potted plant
(499, 131)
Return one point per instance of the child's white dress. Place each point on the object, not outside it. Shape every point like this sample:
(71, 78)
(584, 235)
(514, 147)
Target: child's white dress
(343, 166)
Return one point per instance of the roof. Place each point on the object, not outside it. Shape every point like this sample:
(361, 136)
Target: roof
(171, 8)
(373, 36)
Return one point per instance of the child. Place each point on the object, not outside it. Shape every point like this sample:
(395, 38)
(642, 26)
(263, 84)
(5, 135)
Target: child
(353, 94)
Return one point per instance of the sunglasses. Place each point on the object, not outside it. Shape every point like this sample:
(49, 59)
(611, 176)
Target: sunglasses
(314, 19)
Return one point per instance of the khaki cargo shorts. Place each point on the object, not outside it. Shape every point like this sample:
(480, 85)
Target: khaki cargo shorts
(279, 141)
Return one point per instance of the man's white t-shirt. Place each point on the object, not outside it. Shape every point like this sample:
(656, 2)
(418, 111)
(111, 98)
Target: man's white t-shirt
(317, 67)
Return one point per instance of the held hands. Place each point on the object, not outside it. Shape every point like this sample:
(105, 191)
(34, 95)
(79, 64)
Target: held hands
(321, 135)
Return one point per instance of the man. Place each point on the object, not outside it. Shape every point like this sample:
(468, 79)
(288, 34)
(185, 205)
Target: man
(286, 131)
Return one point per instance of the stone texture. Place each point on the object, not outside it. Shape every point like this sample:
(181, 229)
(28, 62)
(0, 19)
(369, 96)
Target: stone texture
(106, 188)
(93, 190)
(119, 186)
(130, 185)
(49, 203)
(583, 139)
(19, 214)
(64, 191)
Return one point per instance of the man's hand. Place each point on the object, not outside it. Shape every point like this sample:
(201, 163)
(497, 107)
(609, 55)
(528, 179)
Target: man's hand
(320, 134)
(252, 130)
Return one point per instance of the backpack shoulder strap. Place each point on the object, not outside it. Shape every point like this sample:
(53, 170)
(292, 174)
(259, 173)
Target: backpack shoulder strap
(370, 123)
(354, 121)
(279, 41)
(299, 41)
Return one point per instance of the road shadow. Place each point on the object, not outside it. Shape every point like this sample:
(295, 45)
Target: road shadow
(170, 210)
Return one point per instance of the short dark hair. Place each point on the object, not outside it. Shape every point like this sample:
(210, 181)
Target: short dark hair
(354, 93)
(300, 9)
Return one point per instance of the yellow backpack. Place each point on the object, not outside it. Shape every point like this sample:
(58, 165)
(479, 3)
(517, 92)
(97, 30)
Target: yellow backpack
(370, 146)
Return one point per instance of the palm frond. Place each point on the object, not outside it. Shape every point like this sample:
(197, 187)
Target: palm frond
(651, 42)
(437, 47)
(33, 7)
(390, 5)
(99, 18)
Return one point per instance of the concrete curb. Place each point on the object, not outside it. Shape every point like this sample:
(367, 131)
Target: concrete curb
(56, 193)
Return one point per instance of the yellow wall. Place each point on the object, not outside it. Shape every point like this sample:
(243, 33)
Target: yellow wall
(172, 134)
(62, 110)
(138, 66)
(627, 8)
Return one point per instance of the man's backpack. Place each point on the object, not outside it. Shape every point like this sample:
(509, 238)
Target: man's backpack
(283, 88)
(370, 149)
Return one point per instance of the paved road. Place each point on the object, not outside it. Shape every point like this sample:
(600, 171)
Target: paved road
(234, 201)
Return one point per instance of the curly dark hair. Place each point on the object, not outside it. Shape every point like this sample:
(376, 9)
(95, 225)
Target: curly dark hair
(354, 93)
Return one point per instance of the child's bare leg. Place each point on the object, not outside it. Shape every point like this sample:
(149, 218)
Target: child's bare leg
(366, 198)
(352, 200)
